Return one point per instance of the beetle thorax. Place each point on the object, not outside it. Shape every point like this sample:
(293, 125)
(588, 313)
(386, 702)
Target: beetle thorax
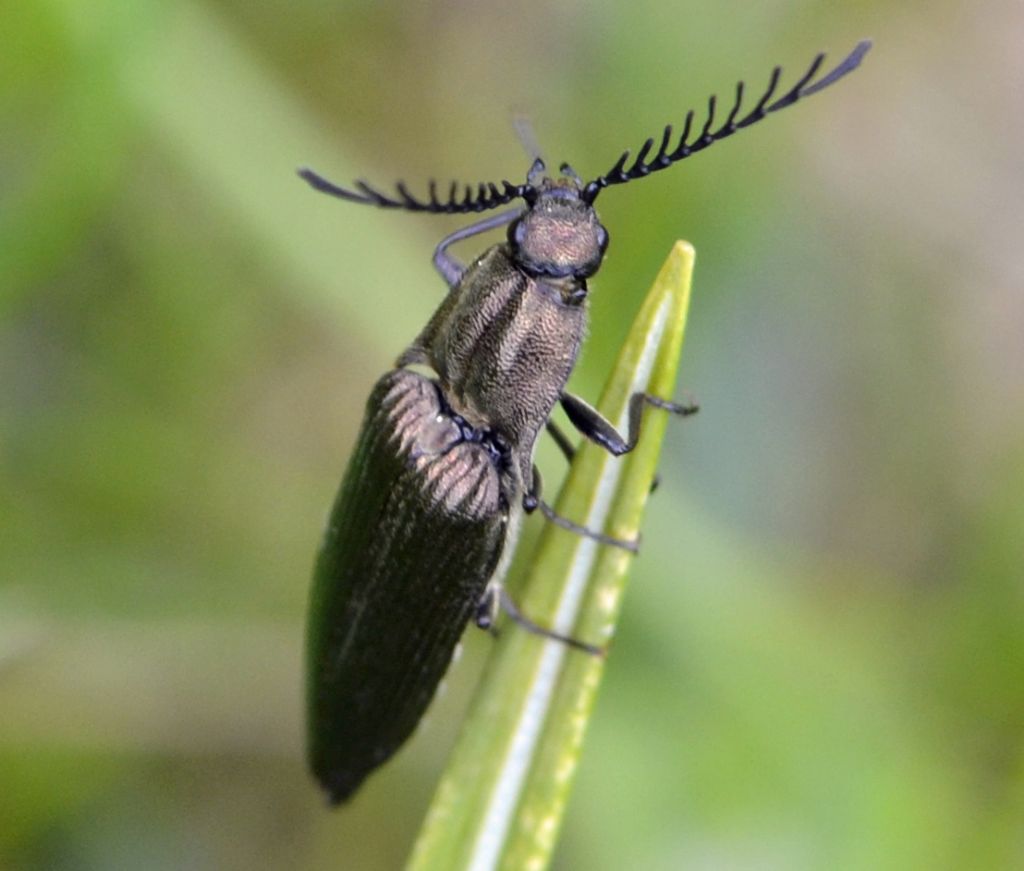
(504, 344)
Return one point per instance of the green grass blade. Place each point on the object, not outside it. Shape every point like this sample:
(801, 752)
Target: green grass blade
(502, 798)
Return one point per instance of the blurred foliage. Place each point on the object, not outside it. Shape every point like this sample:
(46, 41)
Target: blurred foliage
(822, 659)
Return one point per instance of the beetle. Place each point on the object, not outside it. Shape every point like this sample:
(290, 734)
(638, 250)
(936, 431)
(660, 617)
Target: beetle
(426, 520)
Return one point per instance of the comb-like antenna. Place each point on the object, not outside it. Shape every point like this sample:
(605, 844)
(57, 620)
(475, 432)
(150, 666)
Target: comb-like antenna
(663, 157)
(465, 198)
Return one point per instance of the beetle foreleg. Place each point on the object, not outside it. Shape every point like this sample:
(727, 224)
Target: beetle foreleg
(589, 421)
(451, 269)
(568, 449)
(495, 596)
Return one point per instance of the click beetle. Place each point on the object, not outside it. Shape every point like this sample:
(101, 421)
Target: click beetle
(428, 513)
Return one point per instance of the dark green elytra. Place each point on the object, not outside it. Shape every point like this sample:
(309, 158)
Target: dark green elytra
(426, 519)
(414, 536)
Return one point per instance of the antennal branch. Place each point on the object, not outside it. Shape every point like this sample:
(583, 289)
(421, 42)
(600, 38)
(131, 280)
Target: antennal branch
(487, 195)
(685, 147)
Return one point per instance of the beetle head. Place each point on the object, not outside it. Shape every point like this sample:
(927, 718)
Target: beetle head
(559, 235)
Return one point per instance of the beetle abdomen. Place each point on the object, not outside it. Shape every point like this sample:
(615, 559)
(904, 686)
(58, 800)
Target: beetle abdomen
(413, 538)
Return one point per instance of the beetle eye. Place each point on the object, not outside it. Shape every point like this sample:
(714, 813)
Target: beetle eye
(602, 238)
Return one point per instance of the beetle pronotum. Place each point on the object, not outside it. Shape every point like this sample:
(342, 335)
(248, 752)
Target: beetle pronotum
(429, 510)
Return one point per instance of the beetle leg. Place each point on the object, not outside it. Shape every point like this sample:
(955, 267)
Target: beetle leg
(567, 448)
(496, 596)
(589, 421)
(532, 501)
(632, 545)
(531, 498)
(487, 609)
(451, 269)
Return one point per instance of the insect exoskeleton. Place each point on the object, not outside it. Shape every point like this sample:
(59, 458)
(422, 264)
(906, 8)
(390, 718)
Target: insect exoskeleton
(424, 525)
(415, 535)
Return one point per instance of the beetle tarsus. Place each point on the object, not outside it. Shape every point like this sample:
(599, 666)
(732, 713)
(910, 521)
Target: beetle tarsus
(510, 608)
(632, 545)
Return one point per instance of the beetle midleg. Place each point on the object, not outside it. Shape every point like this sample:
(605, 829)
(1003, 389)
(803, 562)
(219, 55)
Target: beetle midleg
(496, 598)
(559, 437)
(568, 449)
(532, 501)
(589, 421)
(487, 608)
(451, 269)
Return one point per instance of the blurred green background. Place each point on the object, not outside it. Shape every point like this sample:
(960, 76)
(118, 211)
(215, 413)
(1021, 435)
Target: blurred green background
(822, 657)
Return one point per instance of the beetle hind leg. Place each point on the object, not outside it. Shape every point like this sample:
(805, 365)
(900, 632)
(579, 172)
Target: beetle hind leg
(632, 545)
(532, 501)
(496, 598)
